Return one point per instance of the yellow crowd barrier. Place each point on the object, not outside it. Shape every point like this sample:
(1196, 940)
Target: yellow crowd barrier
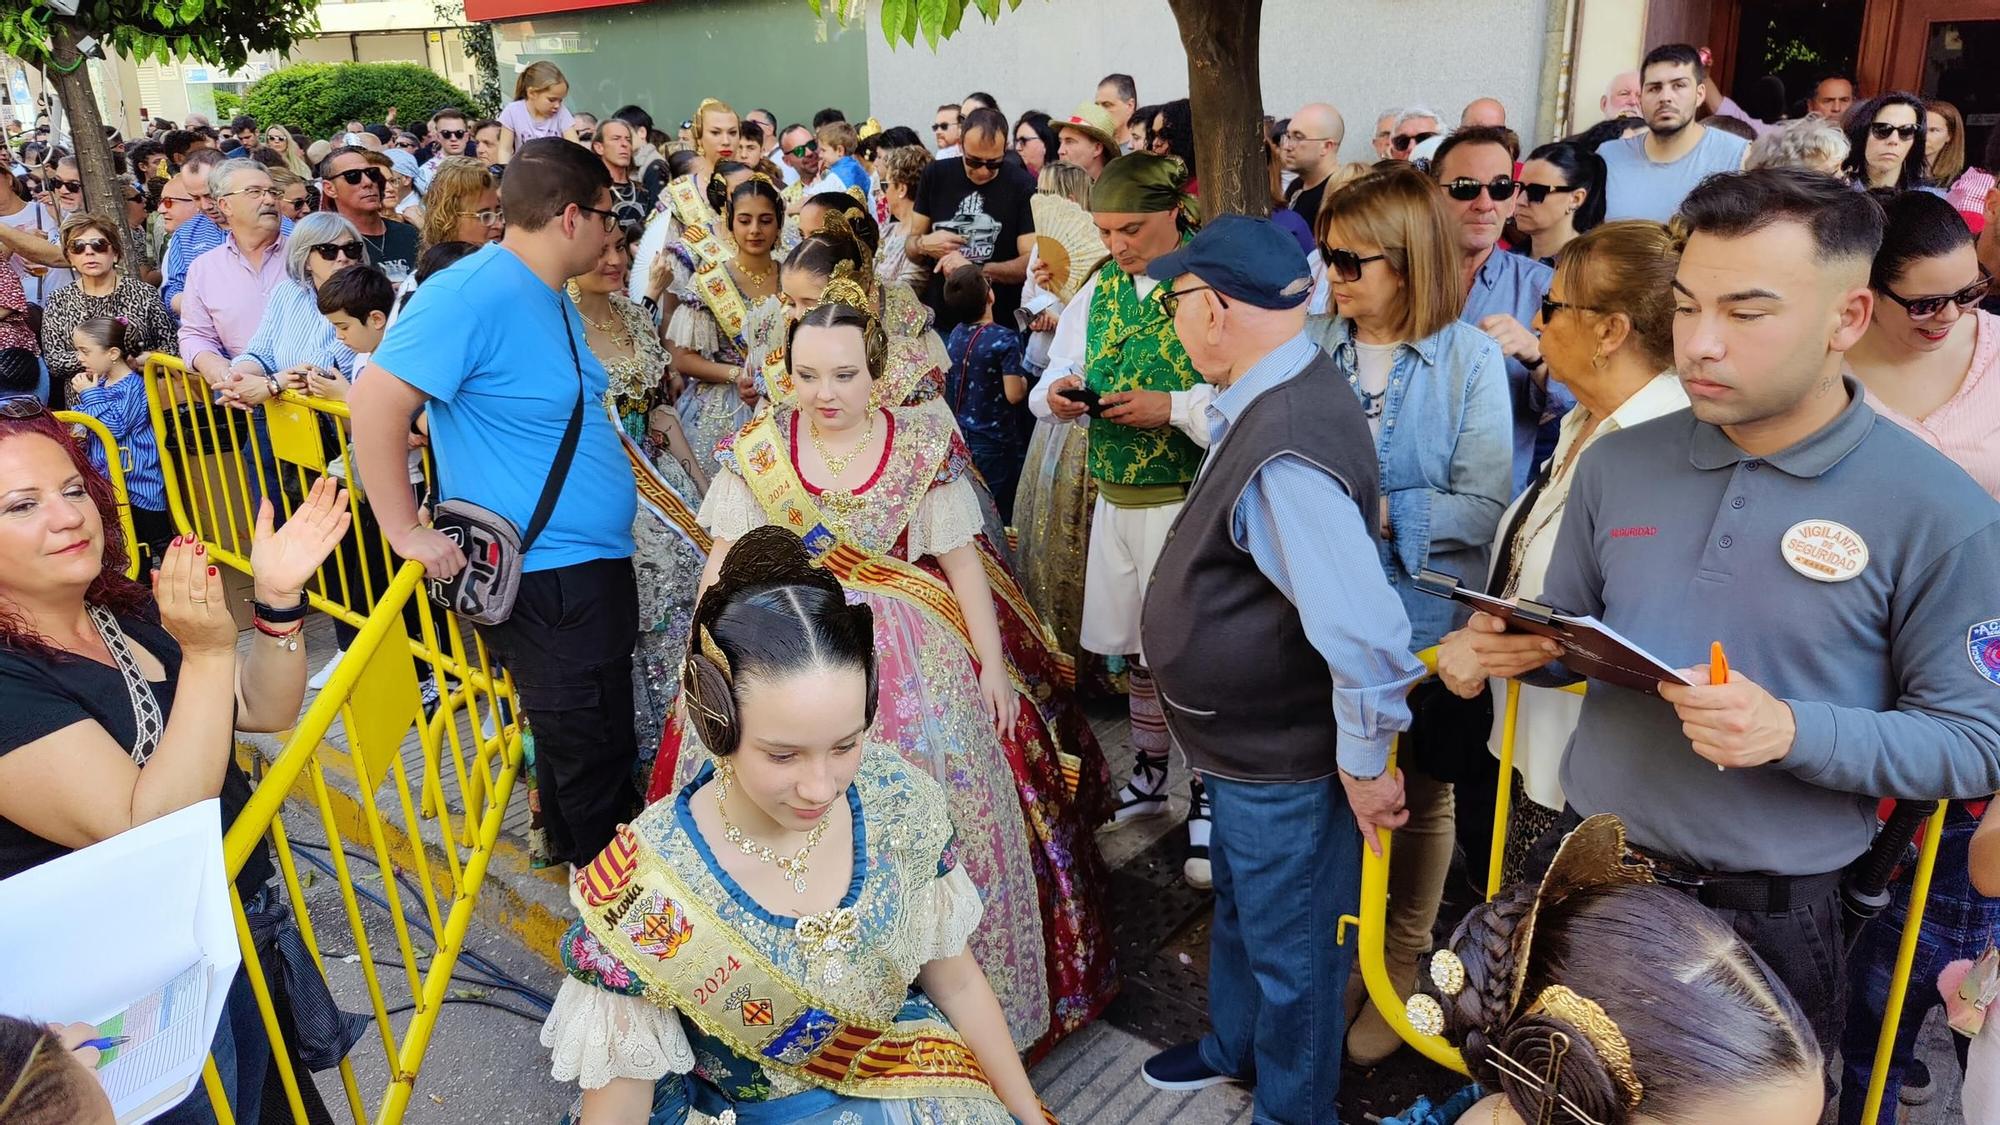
(1371, 924)
(424, 819)
(117, 461)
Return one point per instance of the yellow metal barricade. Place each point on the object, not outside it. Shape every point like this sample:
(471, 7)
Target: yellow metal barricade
(1370, 925)
(419, 812)
(115, 458)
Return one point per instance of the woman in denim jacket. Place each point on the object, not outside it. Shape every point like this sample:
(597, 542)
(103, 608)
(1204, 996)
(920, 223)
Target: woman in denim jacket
(1435, 393)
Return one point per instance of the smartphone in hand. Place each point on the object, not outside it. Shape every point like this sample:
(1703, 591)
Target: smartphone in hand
(1092, 401)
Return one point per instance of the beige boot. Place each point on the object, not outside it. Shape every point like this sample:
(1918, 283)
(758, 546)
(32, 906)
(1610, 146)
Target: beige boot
(1417, 869)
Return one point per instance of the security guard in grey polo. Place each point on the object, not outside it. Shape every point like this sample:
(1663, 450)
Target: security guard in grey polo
(1851, 573)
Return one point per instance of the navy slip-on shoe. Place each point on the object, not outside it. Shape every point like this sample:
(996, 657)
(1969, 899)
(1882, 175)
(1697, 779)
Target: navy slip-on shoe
(1181, 1068)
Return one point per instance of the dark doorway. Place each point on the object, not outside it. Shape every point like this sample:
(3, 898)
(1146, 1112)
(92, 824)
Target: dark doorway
(1795, 42)
(1962, 66)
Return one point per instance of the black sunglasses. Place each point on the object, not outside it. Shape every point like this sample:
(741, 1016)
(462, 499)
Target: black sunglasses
(1170, 300)
(975, 162)
(67, 185)
(1538, 192)
(1882, 131)
(452, 134)
(1465, 189)
(17, 407)
(1924, 308)
(328, 251)
(1551, 306)
(585, 135)
(354, 176)
(1402, 143)
(941, 126)
(90, 246)
(1345, 265)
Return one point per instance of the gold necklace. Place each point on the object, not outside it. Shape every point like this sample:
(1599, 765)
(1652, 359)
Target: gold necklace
(755, 277)
(838, 465)
(792, 867)
(608, 327)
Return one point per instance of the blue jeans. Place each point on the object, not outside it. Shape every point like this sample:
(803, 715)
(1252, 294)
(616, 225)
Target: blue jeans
(1958, 924)
(1287, 864)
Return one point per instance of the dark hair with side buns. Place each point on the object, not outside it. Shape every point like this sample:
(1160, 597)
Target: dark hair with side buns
(1703, 1016)
(772, 613)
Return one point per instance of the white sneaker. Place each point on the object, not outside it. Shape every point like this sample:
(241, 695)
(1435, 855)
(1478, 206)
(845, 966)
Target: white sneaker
(325, 675)
(1195, 868)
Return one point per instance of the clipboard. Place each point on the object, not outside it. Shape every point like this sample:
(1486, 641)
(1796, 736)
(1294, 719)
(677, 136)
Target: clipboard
(1590, 647)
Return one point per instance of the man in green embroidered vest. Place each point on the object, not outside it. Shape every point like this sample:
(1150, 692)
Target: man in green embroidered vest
(1146, 443)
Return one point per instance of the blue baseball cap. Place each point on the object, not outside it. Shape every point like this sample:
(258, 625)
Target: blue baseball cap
(1244, 259)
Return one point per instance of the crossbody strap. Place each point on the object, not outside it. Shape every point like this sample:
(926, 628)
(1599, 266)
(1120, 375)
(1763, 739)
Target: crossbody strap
(566, 452)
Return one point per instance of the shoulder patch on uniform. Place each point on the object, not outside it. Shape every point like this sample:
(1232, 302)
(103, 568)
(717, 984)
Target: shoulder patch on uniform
(1982, 647)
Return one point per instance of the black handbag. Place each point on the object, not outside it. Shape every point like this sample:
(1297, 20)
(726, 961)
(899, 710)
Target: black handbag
(483, 592)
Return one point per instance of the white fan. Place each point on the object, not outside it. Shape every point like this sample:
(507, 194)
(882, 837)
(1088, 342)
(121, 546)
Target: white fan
(1067, 239)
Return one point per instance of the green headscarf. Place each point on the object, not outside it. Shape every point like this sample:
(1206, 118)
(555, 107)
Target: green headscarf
(1140, 183)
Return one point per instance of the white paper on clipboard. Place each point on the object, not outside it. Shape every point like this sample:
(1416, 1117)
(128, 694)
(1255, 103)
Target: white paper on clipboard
(137, 927)
(1590, 647)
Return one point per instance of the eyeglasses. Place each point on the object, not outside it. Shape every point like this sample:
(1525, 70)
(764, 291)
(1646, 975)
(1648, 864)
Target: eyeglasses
(1538, 192)
(452, 134)
(943, 126)
(328, 251)
(1402, 143)
(803, 151)
(18, 407)
(974, 163)
(1297, 138)
(610, 217)
(407, 146)
(67, 185)
(496, 215)
(181, 199)
(266, 192)
(1346, 264)
(1882, 131)
(1924, 308)
(1551, 306)
(1170, 299)
(354, 176)
(90, 246)
(1465, 189)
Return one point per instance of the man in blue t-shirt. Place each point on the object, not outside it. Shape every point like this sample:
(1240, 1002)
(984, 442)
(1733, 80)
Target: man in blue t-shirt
(492, 351)
(1648, 175)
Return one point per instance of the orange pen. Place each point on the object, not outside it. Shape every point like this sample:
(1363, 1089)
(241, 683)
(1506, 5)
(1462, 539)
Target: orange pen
(1718, 672)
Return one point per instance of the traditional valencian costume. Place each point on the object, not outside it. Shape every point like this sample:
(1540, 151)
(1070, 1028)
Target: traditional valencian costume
(1026, 805)
(711, 318)
(682, 978)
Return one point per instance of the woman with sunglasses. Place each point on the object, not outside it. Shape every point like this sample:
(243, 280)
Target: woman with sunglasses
(1886, 139)
(1562, 196)
(1035, 141)
(1434, 391)
(1931, 358)
(101, 289)
(295, 347)
(278, 139)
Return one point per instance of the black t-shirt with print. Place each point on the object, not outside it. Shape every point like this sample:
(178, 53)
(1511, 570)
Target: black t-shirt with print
(399, 242)
(991, 216)
(632, 203)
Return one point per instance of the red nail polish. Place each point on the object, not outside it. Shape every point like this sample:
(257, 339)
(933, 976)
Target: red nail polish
(201, 548)
(211, 572)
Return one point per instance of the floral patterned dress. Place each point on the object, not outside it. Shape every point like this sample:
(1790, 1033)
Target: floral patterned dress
(1025, 833)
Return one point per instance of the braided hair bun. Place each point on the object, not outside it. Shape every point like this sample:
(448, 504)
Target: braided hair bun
(770, 613)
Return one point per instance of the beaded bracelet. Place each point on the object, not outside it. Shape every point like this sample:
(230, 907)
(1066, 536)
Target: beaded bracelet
(288, 639)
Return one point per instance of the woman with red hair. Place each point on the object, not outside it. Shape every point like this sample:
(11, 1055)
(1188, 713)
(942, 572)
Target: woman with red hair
(120, 701)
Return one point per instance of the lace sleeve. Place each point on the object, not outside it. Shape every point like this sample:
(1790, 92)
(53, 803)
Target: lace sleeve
(955, 912)
(948, 517)
(730, 510)
(595, 1036)
(693, 327)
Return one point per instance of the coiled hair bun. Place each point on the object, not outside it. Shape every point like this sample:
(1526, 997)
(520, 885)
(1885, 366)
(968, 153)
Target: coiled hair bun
(770, 613)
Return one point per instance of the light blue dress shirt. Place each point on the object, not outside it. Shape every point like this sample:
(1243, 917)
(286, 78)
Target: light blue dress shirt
(1306, 534)
(1515, 284)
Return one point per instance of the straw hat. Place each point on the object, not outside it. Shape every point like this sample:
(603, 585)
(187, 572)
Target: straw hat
(1092, 121)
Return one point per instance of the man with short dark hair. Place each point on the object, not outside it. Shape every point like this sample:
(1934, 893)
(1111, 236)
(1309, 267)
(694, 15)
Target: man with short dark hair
(1831, 97)
(945, 128)
(494, 354)
(975, 209)
(774, 144)
(629, 197)
(177, 144)
(355, 183)
(244, 129)
(801, 154)
(1118, 95)
(1845, 565)
(453, 136)
(1648, 175)
(826, 117)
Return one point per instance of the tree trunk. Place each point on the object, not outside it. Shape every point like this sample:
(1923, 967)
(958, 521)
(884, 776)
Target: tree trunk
(102, 194)
(1224, 87)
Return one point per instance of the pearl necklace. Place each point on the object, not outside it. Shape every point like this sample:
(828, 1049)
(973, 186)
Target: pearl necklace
(792, 867)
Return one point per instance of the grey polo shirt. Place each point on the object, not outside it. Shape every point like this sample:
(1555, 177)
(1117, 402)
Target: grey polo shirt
(1855, 575)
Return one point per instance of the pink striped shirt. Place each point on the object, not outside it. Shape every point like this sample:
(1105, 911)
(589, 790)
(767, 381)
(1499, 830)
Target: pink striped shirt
(1967, 427)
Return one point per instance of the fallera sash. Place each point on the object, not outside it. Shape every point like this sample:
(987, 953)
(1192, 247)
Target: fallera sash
(718, 292)
(697, 221)
(654, 493)
(638, 908)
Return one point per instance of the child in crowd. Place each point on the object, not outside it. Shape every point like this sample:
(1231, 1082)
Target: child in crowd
(988, 385)
(837, 142)
(109, 389)
(357, 303)
(536, 111)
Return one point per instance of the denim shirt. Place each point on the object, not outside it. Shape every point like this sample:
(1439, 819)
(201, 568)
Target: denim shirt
(1446, 455)
(1515, 284)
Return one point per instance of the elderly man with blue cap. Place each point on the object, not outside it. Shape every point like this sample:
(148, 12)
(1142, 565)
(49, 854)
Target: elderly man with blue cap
(1283, 657)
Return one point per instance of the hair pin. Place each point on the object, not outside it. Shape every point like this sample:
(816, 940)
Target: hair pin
(714, 651)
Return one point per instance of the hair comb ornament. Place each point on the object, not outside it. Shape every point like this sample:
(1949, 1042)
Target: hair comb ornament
(1547, 1081)
(714, 651)
(840, 224)
(1596, 1025)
